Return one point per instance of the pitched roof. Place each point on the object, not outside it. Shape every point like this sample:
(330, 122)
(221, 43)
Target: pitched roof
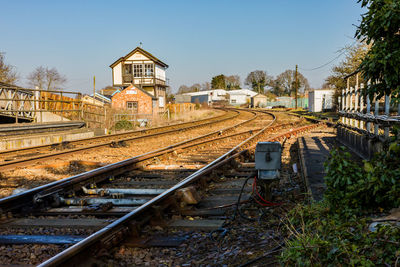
(260, 95)
(207, 92)
(241, 92)
(132, 86)
(142, 51)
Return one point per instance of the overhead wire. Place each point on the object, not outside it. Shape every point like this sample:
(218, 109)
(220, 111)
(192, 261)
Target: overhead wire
(330, 61)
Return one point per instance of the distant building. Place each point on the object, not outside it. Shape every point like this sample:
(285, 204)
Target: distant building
(259, 100)
(183, 98)
(233, 97)
(108, 91)
(98, 100)
(145, 72)
(240, 96)
(208, 97)
(136, 100)
(320, 100)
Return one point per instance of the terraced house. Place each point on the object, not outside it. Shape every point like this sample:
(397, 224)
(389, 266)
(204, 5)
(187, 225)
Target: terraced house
(141, 77)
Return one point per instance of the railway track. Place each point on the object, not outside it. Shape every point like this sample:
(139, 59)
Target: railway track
(21, 157)
(97, 209)
(41, 170)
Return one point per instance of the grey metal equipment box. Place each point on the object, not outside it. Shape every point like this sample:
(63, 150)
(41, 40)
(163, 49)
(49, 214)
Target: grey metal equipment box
(268, 160)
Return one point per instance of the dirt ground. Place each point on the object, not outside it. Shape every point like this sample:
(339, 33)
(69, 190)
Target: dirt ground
(41, 173)
(242, 240)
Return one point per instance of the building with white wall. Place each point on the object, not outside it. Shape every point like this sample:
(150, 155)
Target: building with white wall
(209, 96)
(240, 96)
(142, 70)
(320, 100)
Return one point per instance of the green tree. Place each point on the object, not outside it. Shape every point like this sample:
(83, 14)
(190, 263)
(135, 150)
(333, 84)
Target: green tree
(353, 59)
(258, 79)
(380, 28)
(7, 72)
(218, 82)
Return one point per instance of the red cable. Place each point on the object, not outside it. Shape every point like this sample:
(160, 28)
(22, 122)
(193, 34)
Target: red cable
(267, 203)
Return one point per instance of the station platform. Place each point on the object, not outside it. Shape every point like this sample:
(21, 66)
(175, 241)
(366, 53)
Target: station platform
(17, 136)
(314, 150)
(31, 128)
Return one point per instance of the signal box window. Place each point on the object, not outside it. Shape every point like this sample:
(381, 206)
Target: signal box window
(138, 70)
(132, 105)
(148, 70)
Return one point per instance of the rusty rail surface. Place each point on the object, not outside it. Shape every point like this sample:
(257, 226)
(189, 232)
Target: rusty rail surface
(128, 133)
(20, 200)
(116, 231)
(23, 162)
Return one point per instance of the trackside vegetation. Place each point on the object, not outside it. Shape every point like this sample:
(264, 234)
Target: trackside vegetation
(340, 230)
(350, 226)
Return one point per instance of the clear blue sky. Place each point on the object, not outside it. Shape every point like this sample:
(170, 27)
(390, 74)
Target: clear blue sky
(198, 39)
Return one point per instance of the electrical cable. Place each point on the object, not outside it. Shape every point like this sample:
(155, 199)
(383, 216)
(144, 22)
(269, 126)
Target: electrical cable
(220, 233)
(330, 61)
(254, 192)
(326, 64)
(240, 196)
(266, 202)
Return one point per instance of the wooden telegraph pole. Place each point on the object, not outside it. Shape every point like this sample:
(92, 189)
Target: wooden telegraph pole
(296, 86)
(94, 89)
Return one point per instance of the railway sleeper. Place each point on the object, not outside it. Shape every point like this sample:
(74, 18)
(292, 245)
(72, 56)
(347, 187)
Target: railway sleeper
(122, 191)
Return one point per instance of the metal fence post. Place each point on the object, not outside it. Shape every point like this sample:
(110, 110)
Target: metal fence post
(351, 104)
(368, 112)
(62, 106)
(376, 113)
(17, 106)
(387, 113)
(362, 103)
(356, 100)
(343, 104)
(347, 104)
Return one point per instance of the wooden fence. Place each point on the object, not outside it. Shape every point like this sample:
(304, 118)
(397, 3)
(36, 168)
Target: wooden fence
(180, 107)
(365, 124)
(33, 105)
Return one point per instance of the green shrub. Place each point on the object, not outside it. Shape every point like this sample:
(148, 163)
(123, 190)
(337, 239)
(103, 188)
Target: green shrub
(123, 125)
(364, 188)
(335, 231)
(318, 237)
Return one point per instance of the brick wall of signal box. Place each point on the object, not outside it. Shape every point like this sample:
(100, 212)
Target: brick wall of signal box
(132, 93)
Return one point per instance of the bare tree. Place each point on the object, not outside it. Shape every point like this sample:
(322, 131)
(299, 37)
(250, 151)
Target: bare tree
(232, 82)
(7, 72)
(183, 89)
(205, 86)
(258, 79)
(195, 87)
(284, 83)
(46, 78)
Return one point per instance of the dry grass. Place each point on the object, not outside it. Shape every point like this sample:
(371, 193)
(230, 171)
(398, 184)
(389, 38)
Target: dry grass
(187, 116)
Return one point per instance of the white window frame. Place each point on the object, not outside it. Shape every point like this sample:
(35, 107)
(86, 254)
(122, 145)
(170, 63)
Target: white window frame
(137, 70)
(149, 70)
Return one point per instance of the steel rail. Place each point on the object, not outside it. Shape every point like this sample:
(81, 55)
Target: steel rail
(23, 162)
(14, 128)
(67, 254)
(17, 201)
(110, 136)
